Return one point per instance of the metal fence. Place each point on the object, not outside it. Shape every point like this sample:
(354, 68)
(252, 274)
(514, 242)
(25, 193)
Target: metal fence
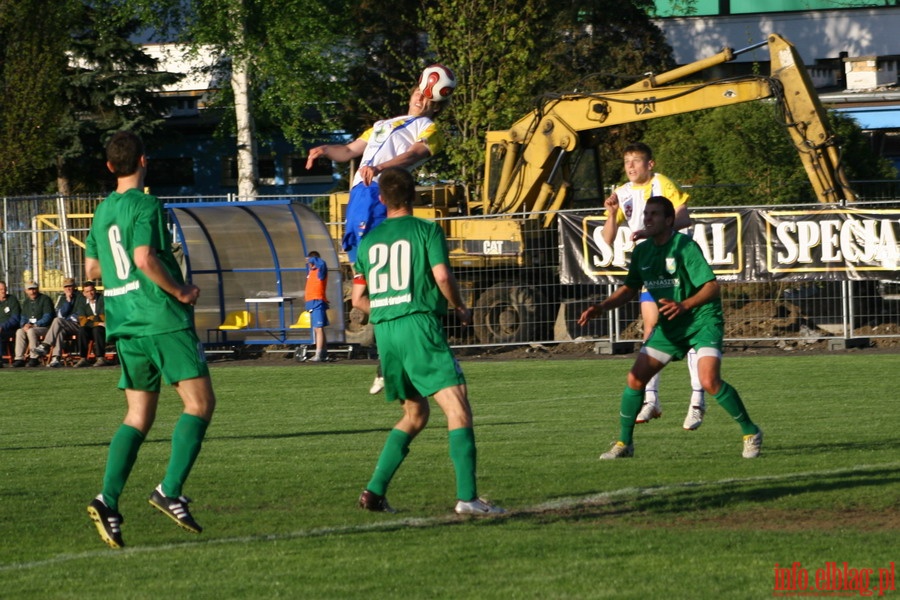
(515, 299)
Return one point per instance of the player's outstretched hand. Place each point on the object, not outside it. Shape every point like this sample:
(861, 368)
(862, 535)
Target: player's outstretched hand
(587, 315)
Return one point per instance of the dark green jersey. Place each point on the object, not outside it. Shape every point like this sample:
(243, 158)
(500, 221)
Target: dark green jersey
(135, 306)
(396, 259)
(9, 313)
(674, 271)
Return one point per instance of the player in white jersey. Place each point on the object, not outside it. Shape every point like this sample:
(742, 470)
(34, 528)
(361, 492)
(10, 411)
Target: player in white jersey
(625, 206)
(406, 141)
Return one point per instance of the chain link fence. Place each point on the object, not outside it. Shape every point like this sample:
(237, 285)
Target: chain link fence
(512, 283)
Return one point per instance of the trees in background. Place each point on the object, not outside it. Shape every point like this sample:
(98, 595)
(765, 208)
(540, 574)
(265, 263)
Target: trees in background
(287, 62)
(70, 77)
(32, 63)
(109, 84)
(308, 69)
(742, 155)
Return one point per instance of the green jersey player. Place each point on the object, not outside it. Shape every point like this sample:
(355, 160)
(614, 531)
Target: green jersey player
(149, 315)
(404, 282)
(672, 268)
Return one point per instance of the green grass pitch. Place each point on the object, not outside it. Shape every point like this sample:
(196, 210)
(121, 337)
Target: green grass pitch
(292, 445)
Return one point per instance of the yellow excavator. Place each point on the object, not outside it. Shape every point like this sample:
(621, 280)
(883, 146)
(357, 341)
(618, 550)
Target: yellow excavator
(501, 244)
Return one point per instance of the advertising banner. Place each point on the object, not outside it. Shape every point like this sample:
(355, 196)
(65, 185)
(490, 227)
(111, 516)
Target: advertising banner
(751, 245)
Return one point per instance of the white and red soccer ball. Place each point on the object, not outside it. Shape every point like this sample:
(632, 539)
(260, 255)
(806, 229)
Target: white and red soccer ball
(437, 82)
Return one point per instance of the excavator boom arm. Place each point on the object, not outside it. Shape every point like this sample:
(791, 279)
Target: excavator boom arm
(534, 144)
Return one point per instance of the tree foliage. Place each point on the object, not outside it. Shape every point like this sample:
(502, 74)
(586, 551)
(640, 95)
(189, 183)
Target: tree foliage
(70, 78)
(32, 61)
(391, 52)
(509, 54)
(109, 84)
(498, 50)
(742, 155)
(603, 45)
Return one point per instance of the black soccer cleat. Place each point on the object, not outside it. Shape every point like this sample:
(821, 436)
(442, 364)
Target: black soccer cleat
(375, 503)
(108, 522)
(174, 508)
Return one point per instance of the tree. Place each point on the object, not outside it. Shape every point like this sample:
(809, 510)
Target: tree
(607, 45)
(392, 53)
(509, 54)
(32, 60)
(742, 155)
(109, 84)
(287, 62)
(498, 50)
(70, 78)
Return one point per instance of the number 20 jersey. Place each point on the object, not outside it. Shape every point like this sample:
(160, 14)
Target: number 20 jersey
(135, 306)
(395, 260)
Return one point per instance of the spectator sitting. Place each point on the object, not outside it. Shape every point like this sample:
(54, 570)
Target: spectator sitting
(35, 318)
(91, 316)
(9, 317)
(65, 323)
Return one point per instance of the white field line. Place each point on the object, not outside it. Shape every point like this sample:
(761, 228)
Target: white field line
(552, 505)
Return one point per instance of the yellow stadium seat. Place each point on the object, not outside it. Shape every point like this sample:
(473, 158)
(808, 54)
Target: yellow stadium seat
(239, 319)
(303, 321)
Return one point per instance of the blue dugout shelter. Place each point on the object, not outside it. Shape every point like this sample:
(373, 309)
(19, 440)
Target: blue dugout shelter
(249, 259)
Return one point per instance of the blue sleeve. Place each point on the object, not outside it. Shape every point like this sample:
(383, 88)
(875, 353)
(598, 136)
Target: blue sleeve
(323, 269)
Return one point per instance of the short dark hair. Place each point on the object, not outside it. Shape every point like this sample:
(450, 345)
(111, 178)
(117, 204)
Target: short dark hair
(668, 208)
(88, 283)
(123, 152)
(639, 147)
(397, 187)
(313, 253)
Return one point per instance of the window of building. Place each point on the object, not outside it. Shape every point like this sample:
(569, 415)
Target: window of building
(265, 165)
(170, 172)
(322, 170)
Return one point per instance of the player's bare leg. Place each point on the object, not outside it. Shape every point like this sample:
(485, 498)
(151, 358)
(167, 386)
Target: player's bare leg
(645, 368)
(709, 366)
(454, 402)
(650, 408)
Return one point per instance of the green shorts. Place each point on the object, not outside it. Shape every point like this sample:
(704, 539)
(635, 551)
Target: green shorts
(707, 340)
(173, 356)
(416, 359)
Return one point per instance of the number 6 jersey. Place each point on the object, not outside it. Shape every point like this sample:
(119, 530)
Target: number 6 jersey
(135, 306)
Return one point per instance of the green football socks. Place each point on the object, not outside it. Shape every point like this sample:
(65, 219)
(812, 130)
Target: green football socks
(123, 451)
(396, 447)
(628, 412)
(729, 399)
(187, 438)
(463, 454)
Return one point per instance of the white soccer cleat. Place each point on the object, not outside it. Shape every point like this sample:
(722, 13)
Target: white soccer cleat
(478, 506)
(618, 450)
(377, 385)
(649, 411)
(753, 444)
(694, 418)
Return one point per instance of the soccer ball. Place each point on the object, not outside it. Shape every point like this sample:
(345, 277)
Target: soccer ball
(437, 82)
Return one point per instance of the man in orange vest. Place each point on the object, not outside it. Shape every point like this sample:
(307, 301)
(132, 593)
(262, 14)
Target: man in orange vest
(317, 303)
